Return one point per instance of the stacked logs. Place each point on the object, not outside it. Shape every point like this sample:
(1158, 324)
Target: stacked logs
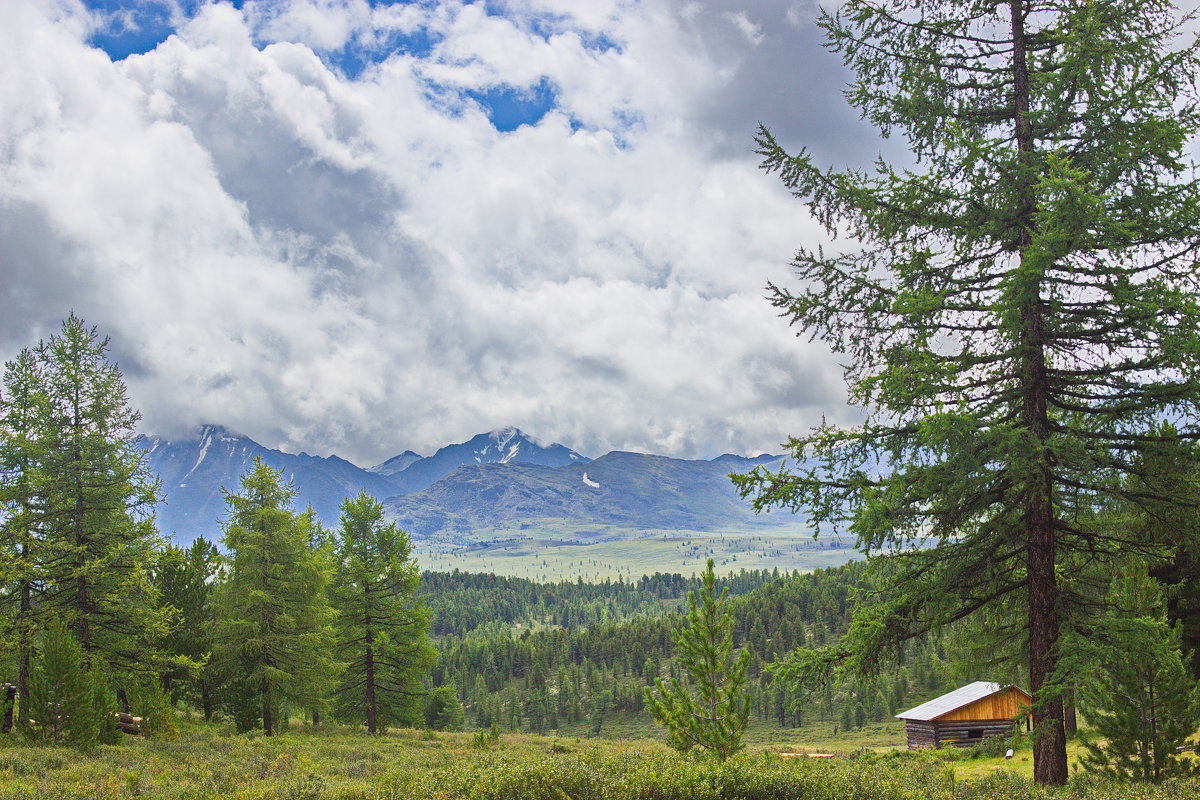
(126, 723)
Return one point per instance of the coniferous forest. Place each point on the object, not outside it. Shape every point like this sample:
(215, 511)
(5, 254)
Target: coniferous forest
(1016, 316)
(116, 640)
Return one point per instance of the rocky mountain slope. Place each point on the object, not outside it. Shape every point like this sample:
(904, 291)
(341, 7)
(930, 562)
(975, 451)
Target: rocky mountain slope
(500, 478)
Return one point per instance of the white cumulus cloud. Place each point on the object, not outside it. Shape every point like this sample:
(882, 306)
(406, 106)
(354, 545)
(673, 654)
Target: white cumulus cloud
(358, 261)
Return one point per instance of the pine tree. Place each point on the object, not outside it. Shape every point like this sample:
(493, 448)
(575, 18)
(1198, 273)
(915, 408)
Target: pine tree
(272, 626)
(381, 624)
(186, 582)
(1141, 700)
(94, 504)
(714, 714)
(22, 405)
(1016, 312)
(68, 703)
(443, 711)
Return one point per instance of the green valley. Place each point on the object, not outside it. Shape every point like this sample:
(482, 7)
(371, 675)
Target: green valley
(594, 552)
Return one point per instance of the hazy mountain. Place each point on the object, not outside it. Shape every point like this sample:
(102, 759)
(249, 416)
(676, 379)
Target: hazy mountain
(497, 478)
(739, 463)
(194, 470)
(622, 489)
(502, 446)
(396, 464)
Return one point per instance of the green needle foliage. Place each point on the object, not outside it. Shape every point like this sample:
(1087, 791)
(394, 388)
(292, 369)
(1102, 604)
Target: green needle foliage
(443, 711)
(69, 704)
(186, 581)
(1141, 700)
(381, 625)
(22, 403)
(713, 715)
(1016, 312)
(272, 632)
(77, 533)
(95, 505)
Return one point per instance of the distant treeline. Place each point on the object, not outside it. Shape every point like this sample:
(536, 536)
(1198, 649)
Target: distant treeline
(463, 601)
(539, 656)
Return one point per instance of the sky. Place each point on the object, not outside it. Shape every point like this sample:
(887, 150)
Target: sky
(359, 228)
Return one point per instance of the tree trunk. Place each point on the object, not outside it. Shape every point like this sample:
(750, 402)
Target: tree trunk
(1049, 743)
(10, 694)
(81, 603)
(267, 718)
(123, 701)
(316, 718)
(372, 703)
(1070, 724)
(24, 645)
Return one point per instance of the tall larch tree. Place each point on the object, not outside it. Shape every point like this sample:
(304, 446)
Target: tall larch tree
(93, 505)
(21, 405)
(272, 628)
(1016, 312)
(381, 624)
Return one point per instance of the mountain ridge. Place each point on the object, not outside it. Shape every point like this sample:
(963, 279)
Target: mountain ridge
(508, 445)
(619, 489)
(503, 477)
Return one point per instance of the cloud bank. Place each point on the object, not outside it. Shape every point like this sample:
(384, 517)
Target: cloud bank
(319, 223)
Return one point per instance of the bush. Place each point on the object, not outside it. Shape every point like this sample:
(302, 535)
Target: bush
(994, 747)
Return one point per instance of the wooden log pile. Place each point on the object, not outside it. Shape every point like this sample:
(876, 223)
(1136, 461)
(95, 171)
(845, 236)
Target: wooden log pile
(127, 723)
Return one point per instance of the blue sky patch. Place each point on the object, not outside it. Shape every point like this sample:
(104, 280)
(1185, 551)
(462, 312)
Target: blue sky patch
(509, 108)
(352, 59)
(135, 26)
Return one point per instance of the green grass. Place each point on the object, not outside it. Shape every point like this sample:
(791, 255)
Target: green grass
(209, 761)
(597, 552)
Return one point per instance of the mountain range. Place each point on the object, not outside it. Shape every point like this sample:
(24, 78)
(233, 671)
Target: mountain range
(496, 479)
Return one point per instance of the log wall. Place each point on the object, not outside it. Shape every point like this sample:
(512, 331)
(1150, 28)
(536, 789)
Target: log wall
(921, 735)
(958, 733)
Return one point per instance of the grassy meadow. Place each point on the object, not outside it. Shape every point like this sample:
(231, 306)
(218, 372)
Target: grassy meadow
(552, 554)
(206, 762)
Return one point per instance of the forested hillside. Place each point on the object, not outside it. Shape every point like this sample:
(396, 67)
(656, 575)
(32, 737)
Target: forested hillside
(543, 656)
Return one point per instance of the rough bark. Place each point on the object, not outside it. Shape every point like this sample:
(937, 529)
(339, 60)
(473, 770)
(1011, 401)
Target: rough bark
(1070, 723)
(267, 718)
(372, 702)
(24, 645)
(1049, 745)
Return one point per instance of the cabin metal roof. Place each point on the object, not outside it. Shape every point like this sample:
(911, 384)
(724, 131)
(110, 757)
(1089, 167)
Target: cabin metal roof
(932, 709)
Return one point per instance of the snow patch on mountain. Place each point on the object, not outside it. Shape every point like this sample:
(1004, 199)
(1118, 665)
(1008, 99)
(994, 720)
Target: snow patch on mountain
(205, 443)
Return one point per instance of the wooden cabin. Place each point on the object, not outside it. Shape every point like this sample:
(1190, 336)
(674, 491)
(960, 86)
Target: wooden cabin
(966, 716)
